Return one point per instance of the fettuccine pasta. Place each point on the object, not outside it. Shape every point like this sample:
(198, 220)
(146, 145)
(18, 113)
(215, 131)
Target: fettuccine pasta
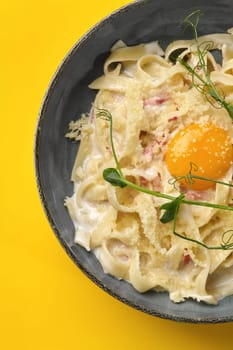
(152, 100)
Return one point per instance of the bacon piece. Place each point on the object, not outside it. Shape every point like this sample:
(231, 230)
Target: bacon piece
(143, 181)
(160, 139)
(148, 153)
(173, 119)
(156, 183)
(195, 195)
(155, 101)
(187, 259)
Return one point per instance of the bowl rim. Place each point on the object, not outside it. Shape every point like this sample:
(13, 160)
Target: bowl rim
(41, 115)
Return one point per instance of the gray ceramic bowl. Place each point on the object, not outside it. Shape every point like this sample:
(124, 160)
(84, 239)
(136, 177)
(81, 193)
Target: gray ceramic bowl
(68, 96)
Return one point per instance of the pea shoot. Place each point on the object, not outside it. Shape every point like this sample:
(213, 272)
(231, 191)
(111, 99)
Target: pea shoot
(170, 209)
(200, 75)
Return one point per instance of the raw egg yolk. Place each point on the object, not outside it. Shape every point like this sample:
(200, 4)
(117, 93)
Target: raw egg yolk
(206, 146)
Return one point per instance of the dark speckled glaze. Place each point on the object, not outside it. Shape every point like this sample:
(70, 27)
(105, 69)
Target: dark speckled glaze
(68, 96)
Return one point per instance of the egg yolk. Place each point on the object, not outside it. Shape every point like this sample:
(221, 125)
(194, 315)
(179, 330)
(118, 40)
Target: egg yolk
(206, 146)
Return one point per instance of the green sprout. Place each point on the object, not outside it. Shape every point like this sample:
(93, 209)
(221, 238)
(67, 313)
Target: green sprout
(171, 208)
(202, 82)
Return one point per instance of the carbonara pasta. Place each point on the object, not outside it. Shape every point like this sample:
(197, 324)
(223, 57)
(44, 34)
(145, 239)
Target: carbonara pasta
(154, 102)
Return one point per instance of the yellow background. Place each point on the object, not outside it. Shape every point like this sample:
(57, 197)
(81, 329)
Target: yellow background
(45, 301)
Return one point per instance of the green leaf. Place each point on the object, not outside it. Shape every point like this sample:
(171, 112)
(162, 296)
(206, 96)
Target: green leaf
(113, 177)
(171, 209)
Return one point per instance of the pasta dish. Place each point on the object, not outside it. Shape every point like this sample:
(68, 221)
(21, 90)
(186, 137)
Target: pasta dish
(166, 123)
